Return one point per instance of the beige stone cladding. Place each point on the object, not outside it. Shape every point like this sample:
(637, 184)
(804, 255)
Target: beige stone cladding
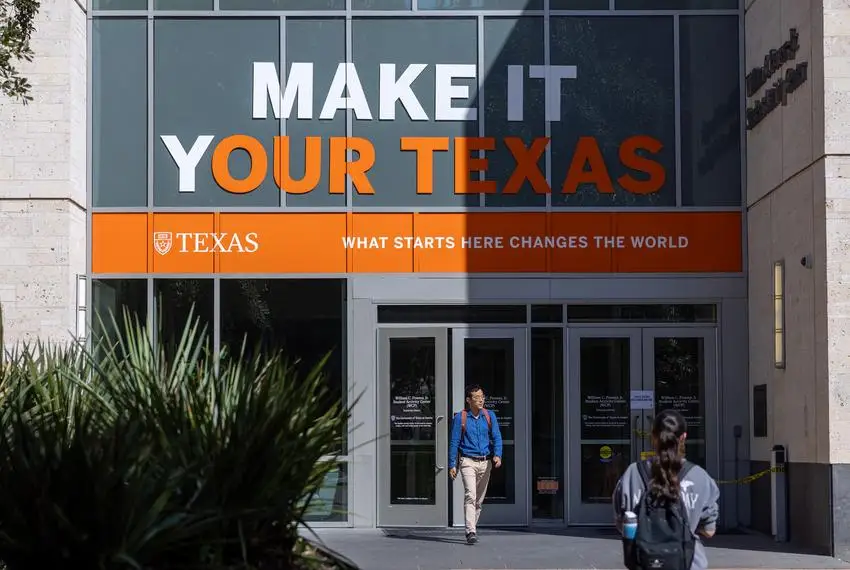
(43, 181)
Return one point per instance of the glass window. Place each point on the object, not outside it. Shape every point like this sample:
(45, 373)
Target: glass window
(514, 42)
(303, 318)
(120, 112)
(614, 142)
(380, 4)
(578, 4)
(175, 300)
(119, 5)
(330, 503)
(111, 299)
(547, 313)
(605, 382)
(490, 363)
(203, 87)
(642, 313)
(414, 41)
(711, 110)
(413, 444)
(480, 4)
(680, 385)
(183, 5)
(282, 4)
(676, 4)
(472, 314)
(547, 423)
(322, 43)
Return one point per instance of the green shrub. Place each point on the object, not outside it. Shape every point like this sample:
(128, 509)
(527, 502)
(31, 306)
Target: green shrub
(119, 457)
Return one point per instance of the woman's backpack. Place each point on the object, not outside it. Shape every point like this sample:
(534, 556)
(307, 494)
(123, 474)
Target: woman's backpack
(664, 540)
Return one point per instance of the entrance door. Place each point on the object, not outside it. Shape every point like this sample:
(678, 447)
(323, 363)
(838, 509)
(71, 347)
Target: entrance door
(412, 427)
(619, 379)
(496, 360)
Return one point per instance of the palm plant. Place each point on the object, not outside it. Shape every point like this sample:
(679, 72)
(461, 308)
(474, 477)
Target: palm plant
(119, 456)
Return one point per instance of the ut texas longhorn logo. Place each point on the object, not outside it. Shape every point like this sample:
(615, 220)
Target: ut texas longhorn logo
(162, 242)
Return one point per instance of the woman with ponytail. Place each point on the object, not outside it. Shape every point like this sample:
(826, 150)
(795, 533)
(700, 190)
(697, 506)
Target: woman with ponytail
(672, 483)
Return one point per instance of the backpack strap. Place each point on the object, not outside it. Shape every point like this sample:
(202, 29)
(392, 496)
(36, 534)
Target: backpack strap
(462, 422)
(489, 421)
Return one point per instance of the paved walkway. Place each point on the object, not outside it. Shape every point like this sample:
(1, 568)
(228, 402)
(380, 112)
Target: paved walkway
(542, 550)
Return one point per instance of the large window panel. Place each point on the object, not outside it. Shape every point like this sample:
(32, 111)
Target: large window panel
(302, 318)
(166, 5)
(203, 86)
(381, 4)
(178, 302)
(614, 142)
(282, 4)
(119, 5)
(513, 41)
(419, 40)
(676, 4)
(711, 110)
(480, 4)
(547, 423)
(322, 43)
(112, 301)
(120, 115)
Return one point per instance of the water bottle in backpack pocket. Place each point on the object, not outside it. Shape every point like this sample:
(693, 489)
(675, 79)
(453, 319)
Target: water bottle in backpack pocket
(663, 539)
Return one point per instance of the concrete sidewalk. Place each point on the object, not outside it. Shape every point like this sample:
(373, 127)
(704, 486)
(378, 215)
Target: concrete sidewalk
(542, 549)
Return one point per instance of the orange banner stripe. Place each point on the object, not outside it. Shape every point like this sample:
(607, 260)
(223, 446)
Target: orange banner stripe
(476, 242)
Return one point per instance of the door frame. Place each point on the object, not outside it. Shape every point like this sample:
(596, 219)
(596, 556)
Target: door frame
(519, 513)
(577, 512)
(642, 372)
(436, 515)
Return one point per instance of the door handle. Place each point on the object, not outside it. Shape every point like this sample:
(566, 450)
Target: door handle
(438, 468)
(440, 418)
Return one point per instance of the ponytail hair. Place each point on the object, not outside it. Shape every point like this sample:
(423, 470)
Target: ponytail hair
(667, 431)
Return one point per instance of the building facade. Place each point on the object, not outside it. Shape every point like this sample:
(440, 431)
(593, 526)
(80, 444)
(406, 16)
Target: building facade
(578, 204)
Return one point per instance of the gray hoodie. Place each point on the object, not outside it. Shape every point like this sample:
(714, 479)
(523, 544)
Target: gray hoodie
(698, 491)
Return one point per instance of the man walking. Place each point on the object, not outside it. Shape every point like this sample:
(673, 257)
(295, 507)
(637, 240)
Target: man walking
(476, 439)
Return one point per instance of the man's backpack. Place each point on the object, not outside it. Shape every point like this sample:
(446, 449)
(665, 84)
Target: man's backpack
(664, 540)
(464, 413)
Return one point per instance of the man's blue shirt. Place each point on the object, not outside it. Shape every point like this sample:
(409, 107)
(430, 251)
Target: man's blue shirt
(476, 439)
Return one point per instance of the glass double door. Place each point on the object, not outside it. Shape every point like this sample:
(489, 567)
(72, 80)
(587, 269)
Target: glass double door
(422, 373)
(619, 380)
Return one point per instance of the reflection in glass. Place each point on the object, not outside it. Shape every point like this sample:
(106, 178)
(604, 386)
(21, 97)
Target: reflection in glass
(282, 4)
(330, 504)
(547, 423)
(322, 43)
(202, 85)
(380, 4)
(676, 5)
(412, 421)
(604, 380)
(110, 297)
(119, 112)
(624, 88)
(680, 385)
(428, 41)
(711, 110)
(166, 5)
(480, 4)
(489, 362)
(303, 318)
(512, 41)
(175, 300)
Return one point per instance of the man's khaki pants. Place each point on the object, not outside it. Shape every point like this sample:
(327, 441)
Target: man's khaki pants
(475, 475)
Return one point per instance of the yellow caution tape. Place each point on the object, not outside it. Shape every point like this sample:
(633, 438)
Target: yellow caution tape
(751, 478)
